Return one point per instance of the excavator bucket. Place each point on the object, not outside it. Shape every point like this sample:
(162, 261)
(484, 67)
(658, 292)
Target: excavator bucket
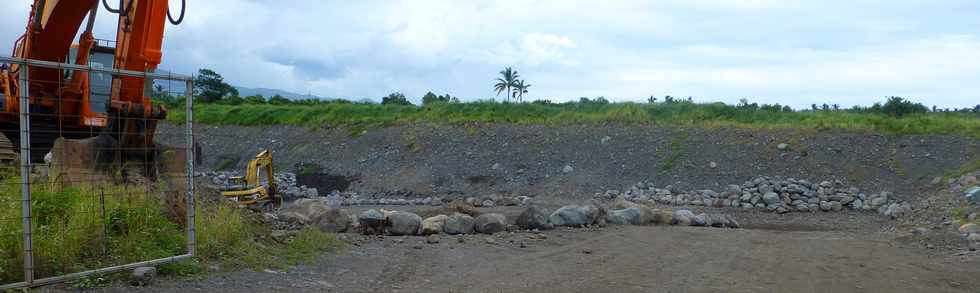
(98, 159)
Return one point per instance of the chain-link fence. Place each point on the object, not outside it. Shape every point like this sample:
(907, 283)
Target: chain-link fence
(84, 188)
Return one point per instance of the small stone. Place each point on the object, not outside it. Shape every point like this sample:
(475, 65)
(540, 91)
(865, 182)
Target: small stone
(489, 240)
(432, 239)
(836, 206)
(969, 228)
(782, 146)
(825, 206)
(586, 251)
(974, 237)
(781, 210)
(973, 194)
(771, 198)
(143, 276)
(713, 165)
(488, 203)
(567, 169)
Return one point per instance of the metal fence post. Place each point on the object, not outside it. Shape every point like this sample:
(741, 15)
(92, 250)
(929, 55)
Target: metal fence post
(25, 173)
(191, 225)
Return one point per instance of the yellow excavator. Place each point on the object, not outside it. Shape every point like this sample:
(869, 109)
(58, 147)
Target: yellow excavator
(249, 190)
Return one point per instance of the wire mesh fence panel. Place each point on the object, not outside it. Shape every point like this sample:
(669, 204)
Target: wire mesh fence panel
(84, 186)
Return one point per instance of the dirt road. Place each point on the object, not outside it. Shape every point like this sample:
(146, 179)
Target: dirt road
(615, 259)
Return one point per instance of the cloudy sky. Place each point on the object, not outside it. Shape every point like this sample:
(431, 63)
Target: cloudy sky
(773, 51)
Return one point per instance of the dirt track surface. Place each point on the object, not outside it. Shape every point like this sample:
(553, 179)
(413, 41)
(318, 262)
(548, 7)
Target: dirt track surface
(615, 259)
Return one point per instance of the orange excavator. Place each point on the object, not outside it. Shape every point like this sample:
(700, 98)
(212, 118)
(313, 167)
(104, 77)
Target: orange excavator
(77, 104)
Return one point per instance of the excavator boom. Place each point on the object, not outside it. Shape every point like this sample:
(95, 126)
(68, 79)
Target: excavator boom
(76, 105)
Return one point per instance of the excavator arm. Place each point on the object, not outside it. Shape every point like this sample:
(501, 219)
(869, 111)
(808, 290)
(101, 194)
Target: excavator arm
(122, 107)
(251, 190)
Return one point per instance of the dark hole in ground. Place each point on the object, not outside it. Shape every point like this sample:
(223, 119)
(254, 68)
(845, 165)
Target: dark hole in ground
(315, 177)
(480, 179)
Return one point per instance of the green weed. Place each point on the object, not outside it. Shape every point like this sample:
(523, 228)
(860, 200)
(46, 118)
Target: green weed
(706, 115)
(675, 150)
(77, 229)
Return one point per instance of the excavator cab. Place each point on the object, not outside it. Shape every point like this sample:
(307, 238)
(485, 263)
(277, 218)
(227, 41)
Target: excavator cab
(254, 190)
(102, 55)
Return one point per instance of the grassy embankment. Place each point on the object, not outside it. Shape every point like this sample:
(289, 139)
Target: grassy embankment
(685, 114)
(72, 234)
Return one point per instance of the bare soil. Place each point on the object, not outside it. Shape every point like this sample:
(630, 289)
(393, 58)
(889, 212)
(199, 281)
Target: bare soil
(773, 254)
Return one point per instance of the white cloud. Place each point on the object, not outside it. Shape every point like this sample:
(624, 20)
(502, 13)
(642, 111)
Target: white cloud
(787, 51)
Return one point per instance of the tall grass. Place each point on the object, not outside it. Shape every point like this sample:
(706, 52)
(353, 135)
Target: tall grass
(710, 115)
(71, 232)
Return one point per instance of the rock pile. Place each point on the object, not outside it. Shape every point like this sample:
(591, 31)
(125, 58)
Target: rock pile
(966, 181)
(285, 183)
(781, 195)
(288, 188)
(317, 213)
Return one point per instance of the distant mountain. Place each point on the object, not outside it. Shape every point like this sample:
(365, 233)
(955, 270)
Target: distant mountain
(266, 92)
(178, 88)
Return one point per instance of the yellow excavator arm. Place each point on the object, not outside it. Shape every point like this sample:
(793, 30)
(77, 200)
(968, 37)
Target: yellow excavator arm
(249, 189)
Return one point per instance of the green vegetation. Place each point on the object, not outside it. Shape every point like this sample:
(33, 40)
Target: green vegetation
(395, 99)
(968, 167)
(72, 233)
(598, 110)
(211, 87)
(227, 163)
(675, 150)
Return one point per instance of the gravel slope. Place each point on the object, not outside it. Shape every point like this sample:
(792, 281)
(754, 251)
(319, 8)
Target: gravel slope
(458, 160)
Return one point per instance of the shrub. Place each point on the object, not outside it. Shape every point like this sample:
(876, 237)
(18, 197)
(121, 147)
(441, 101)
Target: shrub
(395, 98)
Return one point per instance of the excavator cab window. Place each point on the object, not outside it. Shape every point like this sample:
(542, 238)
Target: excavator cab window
(100, 84)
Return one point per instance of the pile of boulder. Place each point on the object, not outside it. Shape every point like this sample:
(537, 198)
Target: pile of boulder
(285, 183)
(322, 215)
(357, 199)
(781, 195)
(288, 188)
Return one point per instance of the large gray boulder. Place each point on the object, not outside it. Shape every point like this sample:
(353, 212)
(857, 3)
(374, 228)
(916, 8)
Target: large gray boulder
(304, 211)
(371, 222)
(490, 223)
(572, 216)
(317, 213)
(403, 223)
(434, 225)
(683, 217)
(628, 216)
(534, 217)
(458, 223)
(333, 221)
(662, 217)
(595, 214)
(771, 198)
(701, 220)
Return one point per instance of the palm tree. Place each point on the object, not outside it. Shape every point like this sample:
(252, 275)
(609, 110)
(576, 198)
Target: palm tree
(520, 88)
(506, 82)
